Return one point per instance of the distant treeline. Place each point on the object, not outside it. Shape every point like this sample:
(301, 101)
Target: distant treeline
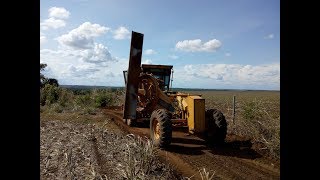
(114, 88)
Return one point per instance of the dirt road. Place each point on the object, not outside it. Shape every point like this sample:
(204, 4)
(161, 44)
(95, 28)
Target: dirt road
(235, 160)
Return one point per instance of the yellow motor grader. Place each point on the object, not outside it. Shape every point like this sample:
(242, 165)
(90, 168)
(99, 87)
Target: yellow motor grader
(149, 98)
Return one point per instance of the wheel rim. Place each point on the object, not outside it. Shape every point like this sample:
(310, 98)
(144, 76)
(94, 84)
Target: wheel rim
(156, 128)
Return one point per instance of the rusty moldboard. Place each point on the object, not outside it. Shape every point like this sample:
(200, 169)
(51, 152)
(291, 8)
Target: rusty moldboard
(134, 70)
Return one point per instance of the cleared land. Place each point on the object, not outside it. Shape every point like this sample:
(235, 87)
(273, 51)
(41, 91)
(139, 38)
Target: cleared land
(75, 146)
(79, 141)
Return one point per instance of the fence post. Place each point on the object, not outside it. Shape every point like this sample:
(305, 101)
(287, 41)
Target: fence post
(234, 108)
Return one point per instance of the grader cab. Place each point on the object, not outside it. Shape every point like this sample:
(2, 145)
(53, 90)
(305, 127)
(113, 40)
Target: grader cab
(149, 97)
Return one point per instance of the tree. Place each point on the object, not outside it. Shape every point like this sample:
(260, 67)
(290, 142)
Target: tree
(44, 80)
(52, 81)
(42, 77)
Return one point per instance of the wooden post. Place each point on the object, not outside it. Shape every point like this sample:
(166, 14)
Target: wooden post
(234, 108)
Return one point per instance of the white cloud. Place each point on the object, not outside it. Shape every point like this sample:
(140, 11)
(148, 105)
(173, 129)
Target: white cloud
(146, 61)
(56, 18)
(43, 38)
(270, 36)
(173, 56)
(228, 54)
(52, 23)
(197, 46)
(99, 53)
(83, 36)
(79, 45)
(59, 13)
(121, 33)
(150, 52)
(67, 67)
(229, 76)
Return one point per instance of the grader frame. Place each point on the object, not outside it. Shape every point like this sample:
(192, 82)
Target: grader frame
(149, 98)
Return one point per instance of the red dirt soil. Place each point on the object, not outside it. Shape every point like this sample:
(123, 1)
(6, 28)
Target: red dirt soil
(188, 154)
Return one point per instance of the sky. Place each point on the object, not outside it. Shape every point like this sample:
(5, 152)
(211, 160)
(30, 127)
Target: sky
(212, 44)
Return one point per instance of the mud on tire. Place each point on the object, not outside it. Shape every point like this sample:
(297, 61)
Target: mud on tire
(160, 128)
(217, 127)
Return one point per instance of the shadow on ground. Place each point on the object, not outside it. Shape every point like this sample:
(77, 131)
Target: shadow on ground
(240, 149)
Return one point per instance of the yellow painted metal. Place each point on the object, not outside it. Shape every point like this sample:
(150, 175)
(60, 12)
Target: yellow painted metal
(193, 107)
(196, 113)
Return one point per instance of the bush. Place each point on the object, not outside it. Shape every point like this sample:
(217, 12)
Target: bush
(252, 110)
(84, 100)
(66, 97)
(78, 100)
(49, 94)
(56, 108)
(102, 97)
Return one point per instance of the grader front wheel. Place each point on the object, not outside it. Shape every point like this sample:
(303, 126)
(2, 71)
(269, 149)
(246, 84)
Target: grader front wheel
(160, 128)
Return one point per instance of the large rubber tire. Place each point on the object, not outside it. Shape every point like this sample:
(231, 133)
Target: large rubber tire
(160, 128)
(216, 127)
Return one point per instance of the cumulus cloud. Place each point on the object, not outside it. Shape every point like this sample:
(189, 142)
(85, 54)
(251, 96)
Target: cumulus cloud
(43, 38)
(146, 61)
(150, 52)
(59, 13)
(270, 36)
(66, 66)
(121, 33)
(79, 44)
(173, 56)
(197, 46)
(56, 18)
(98, 54)
(52, 23)
(230, 76)
(83, 36)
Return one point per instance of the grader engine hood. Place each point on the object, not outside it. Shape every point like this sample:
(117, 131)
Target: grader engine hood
(133, 73)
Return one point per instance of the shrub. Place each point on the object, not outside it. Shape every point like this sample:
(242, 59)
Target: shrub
(66, 97)
(56, 108)
(252, 110)
(103, 97)
(49, 94)
(84, 100)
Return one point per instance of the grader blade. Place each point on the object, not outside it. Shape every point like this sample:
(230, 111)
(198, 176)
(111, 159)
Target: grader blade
(134, 70)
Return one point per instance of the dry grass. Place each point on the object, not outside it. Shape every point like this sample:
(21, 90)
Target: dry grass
(140, 161)
(204, 174)
(257, 115)
(78, 146)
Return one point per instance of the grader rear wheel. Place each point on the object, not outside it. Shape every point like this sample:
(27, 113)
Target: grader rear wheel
(160, 128)
(217, 127)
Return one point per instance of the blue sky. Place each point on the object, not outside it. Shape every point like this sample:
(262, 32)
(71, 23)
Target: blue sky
(225, 44)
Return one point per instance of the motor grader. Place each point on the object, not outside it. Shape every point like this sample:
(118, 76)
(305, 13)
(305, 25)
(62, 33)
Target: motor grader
(149, 97)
